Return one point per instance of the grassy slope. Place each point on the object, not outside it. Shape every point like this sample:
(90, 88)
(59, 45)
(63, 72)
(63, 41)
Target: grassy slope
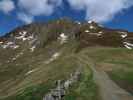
(19, 86)
(16, 85)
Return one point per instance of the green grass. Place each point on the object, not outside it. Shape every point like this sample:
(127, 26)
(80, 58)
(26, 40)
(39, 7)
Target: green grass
(32, 93)
(100, 54)
(13, 78)
(35, 85)
(123, 78)
(85, 89)
(123, 75)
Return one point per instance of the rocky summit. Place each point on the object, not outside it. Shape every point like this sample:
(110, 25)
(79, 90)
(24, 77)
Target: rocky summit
(39, 61)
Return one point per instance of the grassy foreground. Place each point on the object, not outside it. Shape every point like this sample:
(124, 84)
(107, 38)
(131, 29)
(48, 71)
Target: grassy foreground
(18, 84)
(85, 89)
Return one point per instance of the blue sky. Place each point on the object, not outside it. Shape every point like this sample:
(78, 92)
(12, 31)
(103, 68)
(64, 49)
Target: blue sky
(110, 13)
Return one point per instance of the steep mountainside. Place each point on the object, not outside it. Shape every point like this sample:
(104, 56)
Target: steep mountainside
(35, 57)
(87, 33)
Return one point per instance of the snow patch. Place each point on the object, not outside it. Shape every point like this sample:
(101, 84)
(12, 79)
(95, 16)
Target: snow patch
(63, 38)
(4, 46)
(87, 31)
(9, 45)
(54, 57)
(31, 71)
(92, 27)
(90, 21)
(30, 37)
(1, 42)
(32, 48)
(78, 22)
(96, 34)
(24, 37)
(128, 45)
(8, 61)
(123, 34)
(17, 56)
(14, 46)
(23, 33)
(100, 32)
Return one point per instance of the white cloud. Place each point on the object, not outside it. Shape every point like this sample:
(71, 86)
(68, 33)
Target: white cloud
(97, 10)
(7, 6)
(100, 10)
(37, 8)
(25, 18)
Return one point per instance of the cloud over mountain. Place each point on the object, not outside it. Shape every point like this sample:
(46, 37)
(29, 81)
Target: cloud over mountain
(7, 6)
(25, 18)
(38, 7)
(32, 8)
(97, 10)
(100, 10)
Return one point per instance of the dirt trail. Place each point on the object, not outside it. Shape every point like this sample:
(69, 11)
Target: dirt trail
(109, 90)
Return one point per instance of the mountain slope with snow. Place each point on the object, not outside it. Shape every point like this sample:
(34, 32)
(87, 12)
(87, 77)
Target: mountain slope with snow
(38, 59)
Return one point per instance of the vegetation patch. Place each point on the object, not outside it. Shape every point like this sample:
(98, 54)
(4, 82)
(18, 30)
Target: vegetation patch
(123, 78)
(85, 89)
(32, 93)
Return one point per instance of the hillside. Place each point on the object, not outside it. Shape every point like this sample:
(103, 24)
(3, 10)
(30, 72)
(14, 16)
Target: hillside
(62, 58)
